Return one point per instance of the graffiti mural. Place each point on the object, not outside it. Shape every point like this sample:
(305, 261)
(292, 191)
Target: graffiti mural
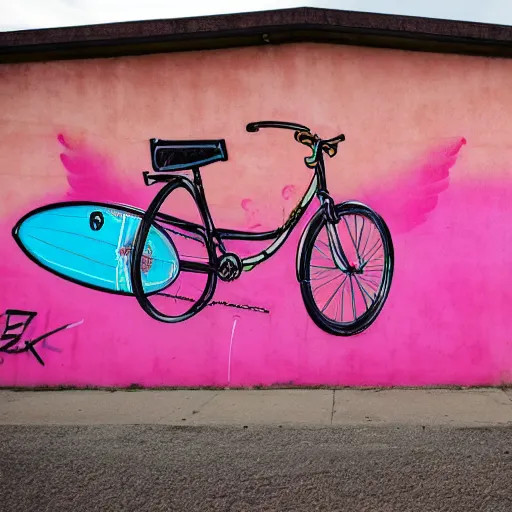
(14, 340)
(344, 259)
(216, 256)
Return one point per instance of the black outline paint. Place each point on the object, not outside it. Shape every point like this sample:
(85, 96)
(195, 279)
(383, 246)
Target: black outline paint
(12, 339)
(306, 246)
(188, 153)
(136, 212)
(190, 156)
(247, 307)
(96, 221)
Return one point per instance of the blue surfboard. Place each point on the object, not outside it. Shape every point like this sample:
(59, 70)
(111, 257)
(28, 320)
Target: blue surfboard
(91, 244)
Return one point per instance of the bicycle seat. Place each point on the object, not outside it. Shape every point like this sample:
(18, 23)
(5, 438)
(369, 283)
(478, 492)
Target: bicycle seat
(180, 155)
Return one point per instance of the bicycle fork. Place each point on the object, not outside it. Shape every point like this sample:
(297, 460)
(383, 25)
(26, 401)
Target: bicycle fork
(338, 254)
(332, 219)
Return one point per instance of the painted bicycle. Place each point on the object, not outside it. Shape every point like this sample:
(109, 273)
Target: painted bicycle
(344, 259)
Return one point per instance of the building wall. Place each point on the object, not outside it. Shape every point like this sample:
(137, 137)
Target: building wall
(428, 146)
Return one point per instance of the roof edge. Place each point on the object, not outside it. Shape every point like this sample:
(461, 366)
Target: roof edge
(302, 24)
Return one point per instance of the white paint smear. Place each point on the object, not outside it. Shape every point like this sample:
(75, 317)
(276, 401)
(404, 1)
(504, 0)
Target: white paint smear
(231, 349)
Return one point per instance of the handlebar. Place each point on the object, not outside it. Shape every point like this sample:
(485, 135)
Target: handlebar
(304, 136)
(254, 127)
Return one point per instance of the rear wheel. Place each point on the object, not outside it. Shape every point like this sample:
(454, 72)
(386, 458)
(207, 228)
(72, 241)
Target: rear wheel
(341, 301)
(191, 291)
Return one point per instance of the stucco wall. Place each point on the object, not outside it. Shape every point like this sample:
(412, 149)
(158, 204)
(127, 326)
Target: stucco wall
(427, 147)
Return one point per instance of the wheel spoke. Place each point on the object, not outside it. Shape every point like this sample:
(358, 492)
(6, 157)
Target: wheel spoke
(322, 242)
(371, 252)
(363, 291)
(353, 298)
(321, 252)
(342, 303)
(372, 247)
(320, 274)
(371, 279)
(320, 266)
(367, 239)
(326, 305)
(327, 282)
(352, 238)
(374, 286)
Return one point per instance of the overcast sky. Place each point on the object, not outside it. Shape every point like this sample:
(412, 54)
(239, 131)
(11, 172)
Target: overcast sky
(24, 14)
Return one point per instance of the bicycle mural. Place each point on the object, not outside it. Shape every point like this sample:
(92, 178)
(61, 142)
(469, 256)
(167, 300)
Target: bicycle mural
(344, 262)
(244, 260)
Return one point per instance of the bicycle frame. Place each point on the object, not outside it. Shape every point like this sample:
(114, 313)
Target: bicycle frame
(213, 238)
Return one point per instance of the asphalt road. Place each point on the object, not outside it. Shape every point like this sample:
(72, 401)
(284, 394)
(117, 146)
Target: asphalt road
(153, 468)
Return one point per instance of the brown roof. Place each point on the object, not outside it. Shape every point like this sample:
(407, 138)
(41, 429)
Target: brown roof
(265, 27)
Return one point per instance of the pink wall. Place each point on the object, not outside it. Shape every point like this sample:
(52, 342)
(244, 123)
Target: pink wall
(428, 147)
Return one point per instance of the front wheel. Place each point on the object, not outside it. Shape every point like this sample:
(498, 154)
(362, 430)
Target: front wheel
(343, 301)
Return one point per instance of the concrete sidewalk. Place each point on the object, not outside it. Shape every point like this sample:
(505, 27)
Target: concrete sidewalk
(292, 407)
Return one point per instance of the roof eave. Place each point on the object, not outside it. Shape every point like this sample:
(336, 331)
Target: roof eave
(302, 24)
